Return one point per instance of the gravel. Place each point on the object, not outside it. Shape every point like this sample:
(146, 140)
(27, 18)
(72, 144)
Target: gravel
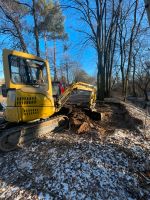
(70, 166)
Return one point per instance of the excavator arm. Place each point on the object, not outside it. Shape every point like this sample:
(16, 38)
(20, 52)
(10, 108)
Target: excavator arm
(77, 86)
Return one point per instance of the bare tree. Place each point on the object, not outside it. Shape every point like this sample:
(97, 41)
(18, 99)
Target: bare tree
(113, 27)
(133, 35)
(143, 79)
(36, 30)
(68, 68)
(103, 35)
(134, 61)
(81, 76)
(11, 22)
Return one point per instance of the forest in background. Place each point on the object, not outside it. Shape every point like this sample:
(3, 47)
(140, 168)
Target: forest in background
(117, 30)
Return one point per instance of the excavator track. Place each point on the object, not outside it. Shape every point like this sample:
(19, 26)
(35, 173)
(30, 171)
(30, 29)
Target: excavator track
(12, 137)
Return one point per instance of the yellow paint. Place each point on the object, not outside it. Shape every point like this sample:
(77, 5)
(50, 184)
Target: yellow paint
(30, 103)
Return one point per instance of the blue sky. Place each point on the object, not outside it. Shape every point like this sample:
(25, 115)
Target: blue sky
(84, 55)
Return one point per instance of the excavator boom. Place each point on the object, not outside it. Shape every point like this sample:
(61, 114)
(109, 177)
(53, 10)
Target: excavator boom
(77, 86)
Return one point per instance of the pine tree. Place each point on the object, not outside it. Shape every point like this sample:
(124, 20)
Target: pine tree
(51, 25)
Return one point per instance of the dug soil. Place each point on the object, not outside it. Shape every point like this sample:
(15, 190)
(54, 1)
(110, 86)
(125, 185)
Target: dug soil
(111, 117)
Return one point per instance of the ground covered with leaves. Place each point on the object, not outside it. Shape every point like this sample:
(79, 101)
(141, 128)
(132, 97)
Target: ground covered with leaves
(106, 159)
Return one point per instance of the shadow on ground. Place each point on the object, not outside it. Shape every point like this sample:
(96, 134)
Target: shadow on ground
(69, 166)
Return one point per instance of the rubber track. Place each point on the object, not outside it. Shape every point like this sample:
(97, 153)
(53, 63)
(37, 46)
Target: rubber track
(26, 133)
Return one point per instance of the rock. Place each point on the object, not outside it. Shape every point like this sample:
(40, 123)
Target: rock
(85, 127)
(91, 125)
(75, 122)
(102, 131)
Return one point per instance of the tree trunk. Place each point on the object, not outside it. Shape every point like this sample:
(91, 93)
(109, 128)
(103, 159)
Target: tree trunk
(133, 79)
(122, 56)
(130, 50)
(36, 32)
(46, 50)
(146, 95)
(67, 73)
(98, 84)
(112, 60)
(101, 78)
(55, 69)
(123, 85)
(23, 45)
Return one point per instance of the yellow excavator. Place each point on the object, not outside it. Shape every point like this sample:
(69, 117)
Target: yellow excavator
(32, 109)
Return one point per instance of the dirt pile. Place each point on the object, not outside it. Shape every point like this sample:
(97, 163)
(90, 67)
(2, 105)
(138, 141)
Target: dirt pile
(80, 122)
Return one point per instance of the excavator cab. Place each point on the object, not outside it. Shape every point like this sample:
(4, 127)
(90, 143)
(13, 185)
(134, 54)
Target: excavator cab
(28, 72)
(29, 88)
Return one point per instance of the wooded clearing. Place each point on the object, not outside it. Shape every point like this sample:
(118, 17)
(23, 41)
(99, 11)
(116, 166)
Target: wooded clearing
(75, 99)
